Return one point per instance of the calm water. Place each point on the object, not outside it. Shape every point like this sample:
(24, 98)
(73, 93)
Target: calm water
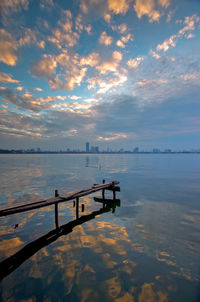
(146, 250)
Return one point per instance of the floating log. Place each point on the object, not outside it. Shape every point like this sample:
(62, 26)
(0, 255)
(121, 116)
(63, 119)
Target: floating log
(58, 199)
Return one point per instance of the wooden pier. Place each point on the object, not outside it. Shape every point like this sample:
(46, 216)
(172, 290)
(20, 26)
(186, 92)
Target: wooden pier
(111, 186)
(10, 264)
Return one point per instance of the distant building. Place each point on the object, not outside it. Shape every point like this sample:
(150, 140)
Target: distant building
(136, 150)
(87, 147)
(156, 150)
(168, 150)
(94, 149)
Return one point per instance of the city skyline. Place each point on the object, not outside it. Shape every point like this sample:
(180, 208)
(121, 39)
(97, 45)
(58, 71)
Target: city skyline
(112, 73)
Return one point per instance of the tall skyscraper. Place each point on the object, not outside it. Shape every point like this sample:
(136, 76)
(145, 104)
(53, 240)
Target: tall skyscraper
(87, 147)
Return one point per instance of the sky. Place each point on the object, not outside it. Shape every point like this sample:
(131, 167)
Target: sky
(115, 73)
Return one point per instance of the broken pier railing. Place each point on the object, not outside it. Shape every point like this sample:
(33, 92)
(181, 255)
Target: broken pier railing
(111, 186)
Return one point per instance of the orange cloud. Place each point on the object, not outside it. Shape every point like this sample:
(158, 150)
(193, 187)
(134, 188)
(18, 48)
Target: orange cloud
(113, 137)
(63, 34)
(105, 39)
(7, 78)
(146, 7)
(8, 48)
(14, 5)
(124, 39)
(45, 67)
(134, 63)
(118, 7)
(111, 65)
(119, 43)
(185, 32)
(91, 60)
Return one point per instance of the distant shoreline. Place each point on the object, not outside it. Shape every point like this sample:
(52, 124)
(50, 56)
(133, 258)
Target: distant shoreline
(89, 153)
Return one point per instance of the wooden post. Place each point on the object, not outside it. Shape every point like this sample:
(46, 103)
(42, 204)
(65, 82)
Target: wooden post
(83, 207)
(56, 210)
(77, 207)
(114, 195)
(103, 191)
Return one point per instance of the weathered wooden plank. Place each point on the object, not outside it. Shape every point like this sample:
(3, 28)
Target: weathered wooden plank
(56, 200)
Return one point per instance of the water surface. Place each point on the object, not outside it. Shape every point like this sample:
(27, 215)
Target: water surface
(145, 250)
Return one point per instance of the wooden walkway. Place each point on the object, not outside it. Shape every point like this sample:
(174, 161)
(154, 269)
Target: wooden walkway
(58, 199)
(8, 265)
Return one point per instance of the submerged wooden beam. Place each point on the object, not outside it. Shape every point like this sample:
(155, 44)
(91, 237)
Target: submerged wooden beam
(58, 199)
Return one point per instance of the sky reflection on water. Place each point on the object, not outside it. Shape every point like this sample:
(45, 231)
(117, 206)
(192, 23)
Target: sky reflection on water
(148, 250)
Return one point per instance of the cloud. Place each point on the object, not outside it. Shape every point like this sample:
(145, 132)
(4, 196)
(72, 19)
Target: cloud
(105, 39)
(46, 3)
(151, 8)
(30, 36)
(64, 35)
(124, 39)
(112, 137)
(118, 7)
(38, 89)
(7, 6)
(45, 67)
(190, 24)
(92, 59)
(119, 43)
(19, 88)
(8, 48)
(7, 78)
(111, 65)
(134, 63)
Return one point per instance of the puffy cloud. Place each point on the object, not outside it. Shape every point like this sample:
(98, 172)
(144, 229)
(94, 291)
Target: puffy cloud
(146, 7)
(7, 6)
(38, 89)
(111, 65)
(171, 42)
(107, 17)
(105, 39)
(8, 48)
(112, 137)
(45, 67)
(88, 28)
(7, 78)
(122, 28)
(91, 60)
(190, 23)
(79, 24)
(118, 7)
(64, 35)
(46, 3)
(124, 39)
(28, 37)
(151, 8)
(119, 43)
(134, 63)
(155, 54)
(72, 78)
(19, 88)
(164, 3)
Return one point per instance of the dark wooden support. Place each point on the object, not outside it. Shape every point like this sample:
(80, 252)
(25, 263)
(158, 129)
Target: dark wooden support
(83, 207)
(114, 194)
(77, 208)
(103, 191)
(56, 210)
